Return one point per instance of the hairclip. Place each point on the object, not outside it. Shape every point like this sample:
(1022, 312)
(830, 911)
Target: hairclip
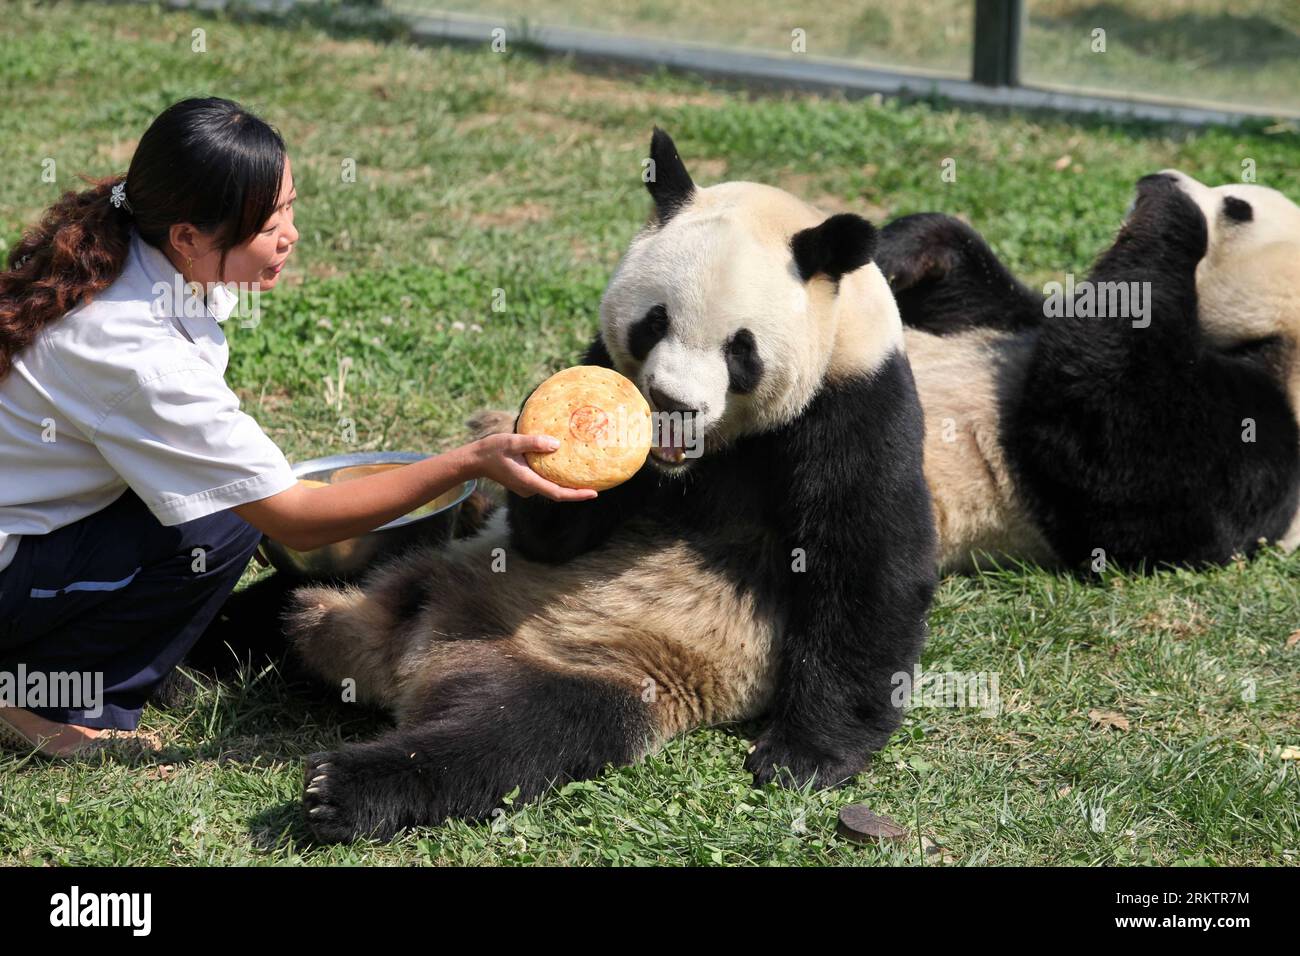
(118, 198)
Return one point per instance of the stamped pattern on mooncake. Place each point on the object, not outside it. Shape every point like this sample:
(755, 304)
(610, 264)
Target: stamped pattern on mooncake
(590, 424)
(603, 423)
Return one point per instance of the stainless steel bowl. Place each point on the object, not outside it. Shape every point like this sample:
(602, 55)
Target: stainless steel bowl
(345, 560)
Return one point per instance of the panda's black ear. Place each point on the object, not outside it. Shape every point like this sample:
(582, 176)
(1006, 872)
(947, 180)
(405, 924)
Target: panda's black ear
(842, 243)
(669, 183)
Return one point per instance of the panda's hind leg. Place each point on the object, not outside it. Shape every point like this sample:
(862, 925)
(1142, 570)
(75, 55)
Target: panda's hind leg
(340, 634)
(362, 633)
(502, 723)
(946, 279)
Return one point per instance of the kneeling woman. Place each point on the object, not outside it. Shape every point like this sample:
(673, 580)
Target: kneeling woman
(135, 490)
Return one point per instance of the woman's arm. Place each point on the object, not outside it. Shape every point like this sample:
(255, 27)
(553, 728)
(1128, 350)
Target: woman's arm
(305, 517)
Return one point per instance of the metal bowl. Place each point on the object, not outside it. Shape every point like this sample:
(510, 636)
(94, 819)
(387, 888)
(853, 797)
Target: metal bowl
(345, 560)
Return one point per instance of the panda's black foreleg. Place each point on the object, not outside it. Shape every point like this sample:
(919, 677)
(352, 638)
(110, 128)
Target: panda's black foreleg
(1148, 278)
(1125, 429)
(553, 532)
(946, 279)
(480, 735)
(859, 523)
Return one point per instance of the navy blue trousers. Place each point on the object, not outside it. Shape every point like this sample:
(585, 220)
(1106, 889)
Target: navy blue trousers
(119, 596)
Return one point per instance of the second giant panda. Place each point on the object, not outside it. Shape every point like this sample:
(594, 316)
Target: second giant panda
(786, 571)
(1113, 441)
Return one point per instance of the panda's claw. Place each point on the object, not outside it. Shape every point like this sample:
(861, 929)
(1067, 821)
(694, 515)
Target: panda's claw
(775, 760)
(327, 800)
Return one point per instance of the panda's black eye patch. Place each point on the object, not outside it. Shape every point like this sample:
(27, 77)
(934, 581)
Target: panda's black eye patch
(744, 367)
(1238, 210)
(647, 331)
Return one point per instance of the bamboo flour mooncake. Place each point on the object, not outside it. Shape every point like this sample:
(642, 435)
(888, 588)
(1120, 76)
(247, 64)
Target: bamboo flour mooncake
(602, 421)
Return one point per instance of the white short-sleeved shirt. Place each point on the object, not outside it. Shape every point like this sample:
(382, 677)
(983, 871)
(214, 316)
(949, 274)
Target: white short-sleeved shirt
(120, 393)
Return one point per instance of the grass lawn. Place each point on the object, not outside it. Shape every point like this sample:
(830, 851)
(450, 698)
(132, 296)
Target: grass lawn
(487, 178)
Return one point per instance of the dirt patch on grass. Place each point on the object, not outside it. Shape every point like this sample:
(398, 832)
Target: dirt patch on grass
(518, 214)
(117, 154)
(1177, 617)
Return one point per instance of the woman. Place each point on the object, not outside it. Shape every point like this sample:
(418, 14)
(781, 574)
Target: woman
(134, 489)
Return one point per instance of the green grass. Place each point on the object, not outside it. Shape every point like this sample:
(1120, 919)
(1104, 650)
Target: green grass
(480, 172)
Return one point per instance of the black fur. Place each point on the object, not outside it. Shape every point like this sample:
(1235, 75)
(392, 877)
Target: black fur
(1125, 442)
(744, 366)
(646, 332)
(671, 186)
(844, 483)
(946, 278)
(1238, 210)
(482, 733)
(852, 495)
(837, 246)
(1129, 439)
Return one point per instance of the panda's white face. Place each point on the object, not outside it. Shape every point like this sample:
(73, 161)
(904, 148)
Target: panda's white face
(733, 306)
(1248, 284)
(710, 320)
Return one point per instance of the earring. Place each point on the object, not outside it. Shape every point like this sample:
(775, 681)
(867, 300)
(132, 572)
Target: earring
(193, 286)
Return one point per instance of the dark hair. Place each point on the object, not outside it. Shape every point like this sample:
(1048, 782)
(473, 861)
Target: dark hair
(208, 162)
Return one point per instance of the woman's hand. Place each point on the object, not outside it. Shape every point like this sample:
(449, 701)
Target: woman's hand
(501, 458)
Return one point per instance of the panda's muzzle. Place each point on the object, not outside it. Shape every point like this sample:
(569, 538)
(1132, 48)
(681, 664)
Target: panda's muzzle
(675, 437)
(677, 433)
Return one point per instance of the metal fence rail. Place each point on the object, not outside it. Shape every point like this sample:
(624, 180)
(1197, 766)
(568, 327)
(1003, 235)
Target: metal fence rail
(998, 27)
(995, 67)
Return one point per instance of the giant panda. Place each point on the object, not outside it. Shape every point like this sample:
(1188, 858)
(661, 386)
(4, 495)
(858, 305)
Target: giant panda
(1094, 442)
(786, 571)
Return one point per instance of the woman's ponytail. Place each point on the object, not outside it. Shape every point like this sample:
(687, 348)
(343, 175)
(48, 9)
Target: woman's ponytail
(205, 161)
(75, 252)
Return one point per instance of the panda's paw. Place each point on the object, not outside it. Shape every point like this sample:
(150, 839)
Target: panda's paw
(789, 763)
(329, 799)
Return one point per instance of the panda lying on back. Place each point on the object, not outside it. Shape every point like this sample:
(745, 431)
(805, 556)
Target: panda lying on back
(1166, 438)
(788, 570)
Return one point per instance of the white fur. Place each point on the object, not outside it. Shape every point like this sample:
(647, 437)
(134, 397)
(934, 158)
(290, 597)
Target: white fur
(1248, 284)
(723, 263)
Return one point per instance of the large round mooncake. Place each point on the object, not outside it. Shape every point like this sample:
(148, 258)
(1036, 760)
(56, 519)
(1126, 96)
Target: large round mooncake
(602, 421)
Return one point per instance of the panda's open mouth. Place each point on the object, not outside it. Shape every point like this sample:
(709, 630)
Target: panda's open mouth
(673, 456)
(676, 440)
